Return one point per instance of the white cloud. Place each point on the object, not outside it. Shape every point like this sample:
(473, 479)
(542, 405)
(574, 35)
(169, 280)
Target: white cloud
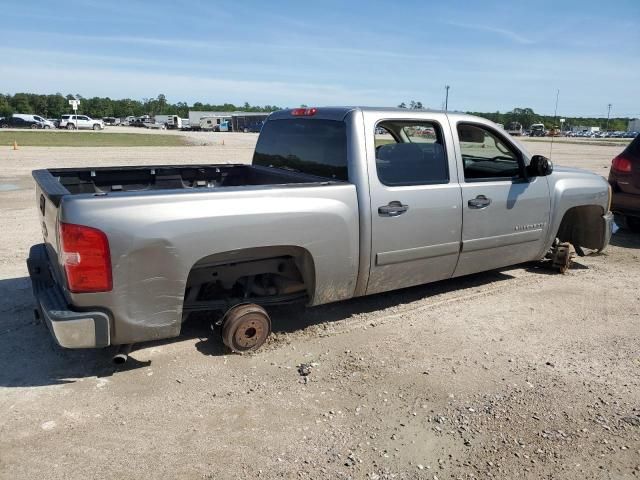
(120, 84)
(516, 37)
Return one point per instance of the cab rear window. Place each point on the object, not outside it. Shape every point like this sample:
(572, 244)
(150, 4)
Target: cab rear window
(314, 147)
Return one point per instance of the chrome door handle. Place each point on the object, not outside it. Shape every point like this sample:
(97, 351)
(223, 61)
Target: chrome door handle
(479, 202)
(393, 209)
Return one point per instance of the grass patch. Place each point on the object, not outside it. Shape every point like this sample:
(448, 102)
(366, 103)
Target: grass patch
(90, 139)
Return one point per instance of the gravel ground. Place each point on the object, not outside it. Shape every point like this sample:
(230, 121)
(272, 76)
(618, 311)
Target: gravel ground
(518, 373)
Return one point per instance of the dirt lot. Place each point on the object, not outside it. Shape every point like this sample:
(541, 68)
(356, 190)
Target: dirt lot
(512, 374)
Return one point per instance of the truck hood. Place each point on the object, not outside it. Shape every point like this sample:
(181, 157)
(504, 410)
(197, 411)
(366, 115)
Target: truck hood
(572, 172)
(576, 187)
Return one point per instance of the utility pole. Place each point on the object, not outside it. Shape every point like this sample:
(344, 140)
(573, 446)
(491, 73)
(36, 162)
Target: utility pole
(446, 98)
(608, 114)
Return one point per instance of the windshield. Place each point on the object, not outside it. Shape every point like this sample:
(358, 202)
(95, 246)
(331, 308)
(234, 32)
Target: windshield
(314, 147)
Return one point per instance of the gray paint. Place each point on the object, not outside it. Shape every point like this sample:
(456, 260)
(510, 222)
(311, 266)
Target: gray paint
(157, 236)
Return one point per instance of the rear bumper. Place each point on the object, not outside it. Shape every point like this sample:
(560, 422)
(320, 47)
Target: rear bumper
(626, 204)
(70, 328)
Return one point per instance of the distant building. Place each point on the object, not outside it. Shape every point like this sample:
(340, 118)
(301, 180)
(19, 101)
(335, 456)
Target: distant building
(634, 125)
(238, 121)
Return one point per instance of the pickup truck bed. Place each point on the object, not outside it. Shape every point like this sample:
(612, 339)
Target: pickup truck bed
(59, 182)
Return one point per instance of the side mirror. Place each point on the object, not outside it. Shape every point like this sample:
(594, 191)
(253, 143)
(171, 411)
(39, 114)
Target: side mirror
(540, 166)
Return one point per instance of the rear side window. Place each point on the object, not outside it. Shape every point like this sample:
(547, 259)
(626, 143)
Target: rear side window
(410, 153)
(314, 147)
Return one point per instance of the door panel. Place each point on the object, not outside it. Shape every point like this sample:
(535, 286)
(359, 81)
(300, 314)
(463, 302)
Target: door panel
(505, 220)
(511, 230)
(416, 229)
(419, 246)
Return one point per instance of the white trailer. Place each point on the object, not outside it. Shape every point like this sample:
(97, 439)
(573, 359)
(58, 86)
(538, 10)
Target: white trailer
(163, 119)
(216, 123)
(174, 122)
(195, 116)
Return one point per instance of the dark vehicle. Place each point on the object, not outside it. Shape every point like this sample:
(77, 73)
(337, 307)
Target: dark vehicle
(17, 122)
(514, 129)
(253, 127)
(111, 121)
(537, 130)
(624, 178)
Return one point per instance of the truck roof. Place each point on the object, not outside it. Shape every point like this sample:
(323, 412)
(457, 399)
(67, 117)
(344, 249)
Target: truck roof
(338, 113)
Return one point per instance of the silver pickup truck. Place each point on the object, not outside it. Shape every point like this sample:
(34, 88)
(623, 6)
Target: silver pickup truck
(337, 203)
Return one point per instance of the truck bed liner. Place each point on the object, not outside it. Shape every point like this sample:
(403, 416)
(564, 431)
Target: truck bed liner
(57, 183)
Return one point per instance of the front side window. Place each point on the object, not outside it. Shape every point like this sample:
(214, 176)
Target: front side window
(485, 155)
(410, 153)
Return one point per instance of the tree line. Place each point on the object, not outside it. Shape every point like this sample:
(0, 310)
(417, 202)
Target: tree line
(527, 117)
(53, 106)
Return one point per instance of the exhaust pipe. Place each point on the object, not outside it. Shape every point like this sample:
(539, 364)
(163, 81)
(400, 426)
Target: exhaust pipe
(122, 356)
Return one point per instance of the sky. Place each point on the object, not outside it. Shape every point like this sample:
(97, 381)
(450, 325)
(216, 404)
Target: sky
(495, 55)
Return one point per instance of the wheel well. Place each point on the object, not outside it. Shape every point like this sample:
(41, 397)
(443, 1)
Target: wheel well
(582, 226)
(265, 275)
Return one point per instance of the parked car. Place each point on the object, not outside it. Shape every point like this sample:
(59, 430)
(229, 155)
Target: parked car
(112, 121)
(154, 125)
(20, 122)
(44, 123)
(32, 119)
(253, 127)
(54, 121)
(537, 130)
(140, 122)
(624, 178)
(80, 122)
(326, 211)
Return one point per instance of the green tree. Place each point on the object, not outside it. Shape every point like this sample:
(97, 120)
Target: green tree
(20, 103)
(5, 106)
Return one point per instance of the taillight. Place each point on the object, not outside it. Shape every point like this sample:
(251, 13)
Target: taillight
(86, 258)
(303, 112)
(621, 164)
